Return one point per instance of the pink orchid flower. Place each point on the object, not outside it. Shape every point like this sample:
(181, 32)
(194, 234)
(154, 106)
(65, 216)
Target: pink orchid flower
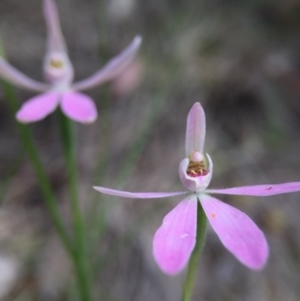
(59, 73)
(175, 240)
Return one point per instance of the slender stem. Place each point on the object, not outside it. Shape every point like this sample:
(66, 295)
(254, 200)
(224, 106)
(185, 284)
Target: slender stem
(42, 178)
(81, 260)
(189, 282)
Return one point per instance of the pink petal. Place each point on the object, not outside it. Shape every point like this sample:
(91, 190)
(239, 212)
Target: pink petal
(19, 79)
(260, 190)
(138, 195)
(237, 232)
(195, 184)
(113, 68)
(79, 107)
(195, 130)
(175, 240)
(38, 107)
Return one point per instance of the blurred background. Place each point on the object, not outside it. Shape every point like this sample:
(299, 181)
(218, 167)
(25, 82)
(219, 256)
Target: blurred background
(240, 59)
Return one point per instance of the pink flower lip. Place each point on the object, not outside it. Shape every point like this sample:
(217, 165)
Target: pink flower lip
(193, 179)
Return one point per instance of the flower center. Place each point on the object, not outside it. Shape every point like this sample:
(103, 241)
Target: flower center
(56, 63)
(197, 166)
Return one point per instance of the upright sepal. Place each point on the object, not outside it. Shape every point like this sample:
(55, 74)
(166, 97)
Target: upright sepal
(56, 42)
(58, 68)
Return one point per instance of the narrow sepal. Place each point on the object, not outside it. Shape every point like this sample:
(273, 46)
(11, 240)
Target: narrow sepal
(113, 68)
(19, 79)
(137, 195)
(260, 190)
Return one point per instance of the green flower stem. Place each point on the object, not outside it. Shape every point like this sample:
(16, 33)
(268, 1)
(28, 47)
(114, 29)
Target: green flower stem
(81, 261)
(189, 282)
(43, 180)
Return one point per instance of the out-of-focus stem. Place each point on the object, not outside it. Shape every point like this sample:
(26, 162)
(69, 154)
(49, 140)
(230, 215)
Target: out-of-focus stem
(42, 178)
(81, 261)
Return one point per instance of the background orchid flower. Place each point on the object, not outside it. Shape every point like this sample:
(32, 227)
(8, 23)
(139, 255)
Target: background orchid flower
(59, 74)
(175, 240)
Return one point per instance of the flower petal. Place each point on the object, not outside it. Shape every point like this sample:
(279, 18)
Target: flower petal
(19, 79)
(113, 68)
(238, 233)
(259, 190)
(79, 107)
(138, 195)
(195, 130)
(55, 40)
(38, 107)
(175, 239)
(195, 184)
